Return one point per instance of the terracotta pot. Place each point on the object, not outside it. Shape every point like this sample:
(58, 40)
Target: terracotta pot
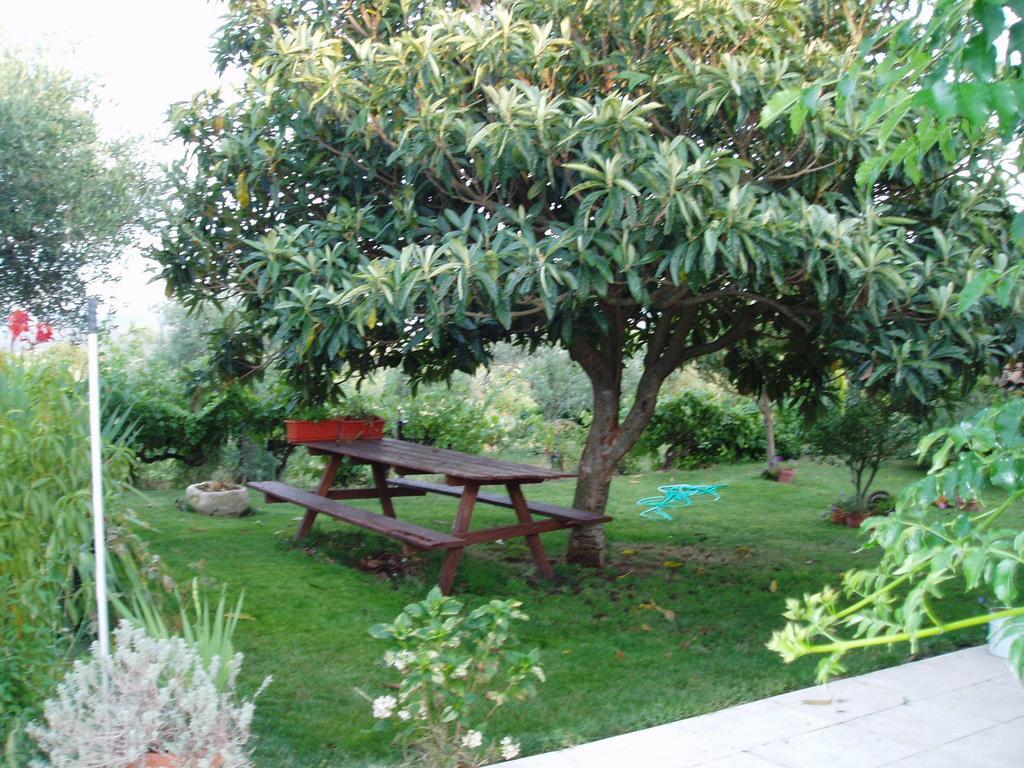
(786, 475)
(360, 429)
(838, 516)
(305, 431)
(160, 760)
(854, 520)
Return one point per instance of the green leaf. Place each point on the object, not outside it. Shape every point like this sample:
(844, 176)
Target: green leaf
(974, 567)
(1004, 581)
(975, 289)
(778, 104)
(482, 134)
(990, 14)
(942, 99)
(980, 57)
(1017, 228)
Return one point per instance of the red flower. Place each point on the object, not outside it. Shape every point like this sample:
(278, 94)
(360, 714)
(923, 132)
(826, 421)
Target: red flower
(18, 322)
(44, 332)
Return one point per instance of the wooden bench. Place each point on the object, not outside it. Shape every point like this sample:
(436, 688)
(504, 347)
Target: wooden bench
(408, 533)
(568, 515)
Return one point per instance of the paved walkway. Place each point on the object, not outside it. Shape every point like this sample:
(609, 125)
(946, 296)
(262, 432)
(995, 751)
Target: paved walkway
(960, 710)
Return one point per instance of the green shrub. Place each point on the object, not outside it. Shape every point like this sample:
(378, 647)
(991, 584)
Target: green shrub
(449, 418)
(860, 435)
(46, 559)
(698, 428)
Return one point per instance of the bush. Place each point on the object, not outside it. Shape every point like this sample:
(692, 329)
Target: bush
(860, 435)
(698, 428)
(455, 670)
(47, 568)
(150, 695)
(449, 418)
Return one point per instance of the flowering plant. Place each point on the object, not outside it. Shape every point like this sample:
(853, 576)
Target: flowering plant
(455, 672)
(19, 323)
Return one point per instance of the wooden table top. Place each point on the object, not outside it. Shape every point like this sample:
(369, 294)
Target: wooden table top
(414, 458)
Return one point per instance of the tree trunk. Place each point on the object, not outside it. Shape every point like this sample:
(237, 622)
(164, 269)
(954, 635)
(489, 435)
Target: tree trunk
(765, 404)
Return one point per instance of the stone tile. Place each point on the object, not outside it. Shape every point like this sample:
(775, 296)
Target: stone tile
(561, 759)
(976, 662)
(993, 699)
(667, 746)
(998, 747)
(838, 746)
(750, 725)
(919, 680)
(930, 759)
(841, 701)
(923, 724)
(741, 760)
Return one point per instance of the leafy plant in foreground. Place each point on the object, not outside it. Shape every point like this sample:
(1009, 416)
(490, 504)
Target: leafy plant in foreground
(455, 672)
(928, 550)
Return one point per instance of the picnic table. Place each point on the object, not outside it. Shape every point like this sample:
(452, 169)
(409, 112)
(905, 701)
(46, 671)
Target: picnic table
(464, 476)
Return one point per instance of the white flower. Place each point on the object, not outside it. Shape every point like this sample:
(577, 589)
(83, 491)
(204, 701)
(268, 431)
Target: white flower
(383, 706)
(509, 749)
(472, 739)
(401, 660)
(403, 714)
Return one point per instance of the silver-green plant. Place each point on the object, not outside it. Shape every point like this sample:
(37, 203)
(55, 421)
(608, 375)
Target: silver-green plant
(151, 695)
(455, 671)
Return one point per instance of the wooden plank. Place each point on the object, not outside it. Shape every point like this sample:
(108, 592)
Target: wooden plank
(462, 520)
(380, 481)
(410, 533)
(512, 531)
(570, 515)
(347, 494)
(424, 459)
(540, 556)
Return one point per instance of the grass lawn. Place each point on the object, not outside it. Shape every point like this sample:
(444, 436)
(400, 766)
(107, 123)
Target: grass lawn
(675, 626)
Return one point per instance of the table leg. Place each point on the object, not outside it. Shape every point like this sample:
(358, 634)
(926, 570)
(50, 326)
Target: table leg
(330, 472)
(540, 556)
(380, 480)
(462, 521)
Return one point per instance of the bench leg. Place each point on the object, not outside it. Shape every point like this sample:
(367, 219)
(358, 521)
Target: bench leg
(330, 472)
(462, 520)
(540, 556)
(380, 481)
(306, 526)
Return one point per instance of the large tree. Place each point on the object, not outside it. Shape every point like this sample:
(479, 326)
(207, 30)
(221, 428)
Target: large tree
(68, 198)
(406, 184)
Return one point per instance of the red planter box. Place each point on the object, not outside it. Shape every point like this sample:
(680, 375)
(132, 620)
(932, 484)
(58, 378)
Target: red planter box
(786, 475)
(301, 431)
(360, 429)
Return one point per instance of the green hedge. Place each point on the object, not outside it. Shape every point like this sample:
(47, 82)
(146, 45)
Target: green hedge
(700, 427)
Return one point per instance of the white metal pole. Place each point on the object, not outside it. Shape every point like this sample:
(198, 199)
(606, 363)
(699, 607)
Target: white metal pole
(98, 528)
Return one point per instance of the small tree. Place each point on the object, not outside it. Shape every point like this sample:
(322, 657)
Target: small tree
(69, 200)
(861, 435)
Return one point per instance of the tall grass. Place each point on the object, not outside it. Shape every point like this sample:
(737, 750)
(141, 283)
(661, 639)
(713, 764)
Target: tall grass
(47, 565)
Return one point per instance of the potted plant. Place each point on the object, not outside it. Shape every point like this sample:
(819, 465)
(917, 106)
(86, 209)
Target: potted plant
(779, 472)
(359, 421)
(311, 423)
(852, 511)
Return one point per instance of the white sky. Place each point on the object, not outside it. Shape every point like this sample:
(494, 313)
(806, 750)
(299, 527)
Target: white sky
(142, 55)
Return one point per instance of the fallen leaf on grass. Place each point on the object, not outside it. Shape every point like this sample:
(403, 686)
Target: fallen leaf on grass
(650, 605)
(241, 616)
(629, 551)
(774, 586)
(620, 654)
(673, 564)
(645, 627)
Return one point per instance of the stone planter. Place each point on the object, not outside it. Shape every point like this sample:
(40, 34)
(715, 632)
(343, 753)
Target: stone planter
(218, 499)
